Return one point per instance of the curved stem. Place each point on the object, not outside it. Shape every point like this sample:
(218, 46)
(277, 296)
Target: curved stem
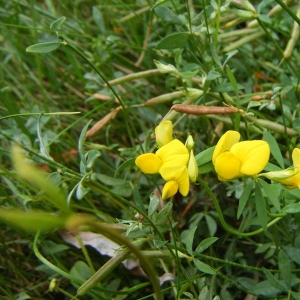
(222, 220)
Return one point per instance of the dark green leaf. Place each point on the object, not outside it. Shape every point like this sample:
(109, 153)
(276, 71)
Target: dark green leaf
(189, 240)
(164, 214)
(244, 198)
(205, 244)
(284, 267)
(124, 190)
(270, 194)
(108, 180)
(212, 74)
(173, 41)
(98, 18)
(153, 204)
(273, 281)
(225, 87)
(204, 156)
(211, 223)
(81, 148)
(261, 209)
(204, 267)
(126, 164)
(291, 208)
(58, 24)
(44, 47)
(232, 79)
(167, 15)
(207, 167)
(275, 150)
(138, 200)
(265, 19)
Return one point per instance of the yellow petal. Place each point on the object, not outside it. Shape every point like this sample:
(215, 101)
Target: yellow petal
(169, 189)
(225, 143)
(173, 153)
(296, 157)
(178, 174)
(253, 155)
(164, 133)
(149, 163)
(227, 166)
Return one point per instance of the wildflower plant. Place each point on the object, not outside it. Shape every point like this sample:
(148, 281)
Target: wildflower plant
(209, 209)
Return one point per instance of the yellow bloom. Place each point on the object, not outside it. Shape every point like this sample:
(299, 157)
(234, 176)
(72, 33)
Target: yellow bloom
(163, 133)
(233, 159)
(177, 180)
(173, 153)
(288, 177)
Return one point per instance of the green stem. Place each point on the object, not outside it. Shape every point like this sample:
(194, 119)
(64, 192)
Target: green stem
(221, 217)
(289, 11)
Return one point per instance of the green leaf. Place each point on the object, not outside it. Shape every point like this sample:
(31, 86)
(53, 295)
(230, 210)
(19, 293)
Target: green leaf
(188, 74)
(261, 209)
(108, 180)
(163, 216)
(205, 244)
(81, 191)
(124, 190)
(81, 271)
(270, 194)
(285, 268)
(232, 79)
(153, 204)
(83, 161)
(265, 19)
(138, 200)
(203, 267)
(211, 223)
(244, 198)
(275, 150)
(98, 18)
(167, 15)
(125, 164)
(212, 74)
(273, 281)
(44, 47)
(32, 221)
(291, 208)
(58, 24)
(226, 87)
(204, 156)
(91, 157)
(207, 167)
(296, 295)
(43, 149)
(173, 41)
(189, 240)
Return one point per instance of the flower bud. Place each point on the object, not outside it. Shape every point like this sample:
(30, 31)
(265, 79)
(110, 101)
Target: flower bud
(164, 133)
(192, 167)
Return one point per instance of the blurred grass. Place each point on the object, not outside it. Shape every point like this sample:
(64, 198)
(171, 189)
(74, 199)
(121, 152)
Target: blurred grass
(119, 38)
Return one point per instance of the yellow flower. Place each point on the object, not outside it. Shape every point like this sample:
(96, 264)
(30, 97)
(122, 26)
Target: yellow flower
(288, 177)
(163, 133)
(233, 159)
(173, 153)
(177, 180)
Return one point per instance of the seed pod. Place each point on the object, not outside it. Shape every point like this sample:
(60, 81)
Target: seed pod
(205, 110)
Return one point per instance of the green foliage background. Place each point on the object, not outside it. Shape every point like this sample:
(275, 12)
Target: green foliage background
(102, 63)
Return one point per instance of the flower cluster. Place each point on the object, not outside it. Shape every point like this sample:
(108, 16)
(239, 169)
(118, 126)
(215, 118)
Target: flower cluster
(232, 159)
(174, 161)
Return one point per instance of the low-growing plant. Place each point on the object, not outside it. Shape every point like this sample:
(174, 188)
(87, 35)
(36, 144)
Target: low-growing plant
(186, 186)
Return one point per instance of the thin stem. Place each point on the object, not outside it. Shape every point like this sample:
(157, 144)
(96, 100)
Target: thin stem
(222, 220)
